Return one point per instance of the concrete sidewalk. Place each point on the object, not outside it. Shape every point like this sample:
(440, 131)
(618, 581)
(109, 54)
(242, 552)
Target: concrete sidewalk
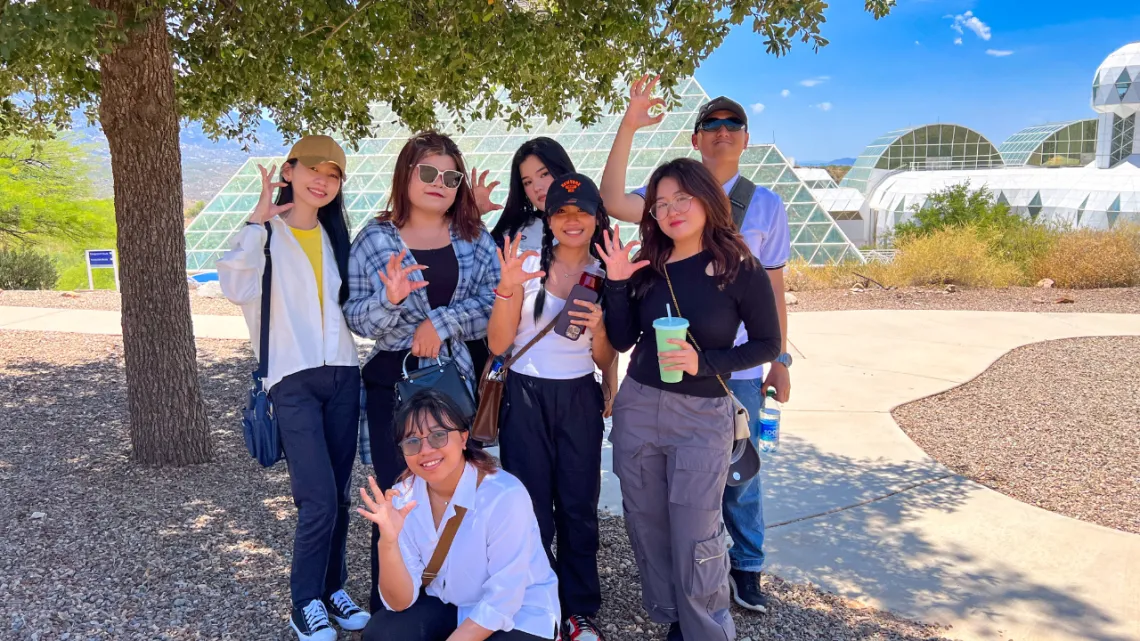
(855, 507)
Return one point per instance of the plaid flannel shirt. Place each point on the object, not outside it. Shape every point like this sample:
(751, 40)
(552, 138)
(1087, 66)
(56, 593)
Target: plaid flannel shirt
(370, 314)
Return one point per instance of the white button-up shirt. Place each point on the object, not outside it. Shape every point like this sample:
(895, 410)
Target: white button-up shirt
(300, 336)
(496, 573)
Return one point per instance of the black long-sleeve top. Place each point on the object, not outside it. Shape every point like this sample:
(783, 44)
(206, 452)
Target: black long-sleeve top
(714, 315)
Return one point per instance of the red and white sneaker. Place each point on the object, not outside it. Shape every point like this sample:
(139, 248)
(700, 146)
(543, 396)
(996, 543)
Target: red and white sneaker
(581, 628)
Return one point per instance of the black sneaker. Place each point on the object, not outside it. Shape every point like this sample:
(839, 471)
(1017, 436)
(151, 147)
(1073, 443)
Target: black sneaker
(311, 622)
(674, 632)
(581, 628)
(345, 612)
(746, 590)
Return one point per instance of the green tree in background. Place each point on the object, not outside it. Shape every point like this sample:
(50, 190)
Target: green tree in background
(138, 66)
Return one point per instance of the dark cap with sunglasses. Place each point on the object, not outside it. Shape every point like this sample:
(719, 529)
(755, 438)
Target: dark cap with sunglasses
(720, 103)
(573, 189)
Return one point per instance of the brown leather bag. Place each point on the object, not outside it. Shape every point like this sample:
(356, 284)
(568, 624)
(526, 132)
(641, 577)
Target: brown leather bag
(485, 425)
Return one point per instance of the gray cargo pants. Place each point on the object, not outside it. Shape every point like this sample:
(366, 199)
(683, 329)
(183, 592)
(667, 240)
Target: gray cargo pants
(671, 452)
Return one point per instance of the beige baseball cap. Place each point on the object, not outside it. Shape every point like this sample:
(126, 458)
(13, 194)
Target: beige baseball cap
(314, 150)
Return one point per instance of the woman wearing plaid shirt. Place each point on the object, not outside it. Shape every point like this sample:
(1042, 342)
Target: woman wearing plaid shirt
(420, 275)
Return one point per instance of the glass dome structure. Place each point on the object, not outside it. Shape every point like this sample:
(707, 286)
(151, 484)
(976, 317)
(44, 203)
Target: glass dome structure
(1056, 144)
(926, 147)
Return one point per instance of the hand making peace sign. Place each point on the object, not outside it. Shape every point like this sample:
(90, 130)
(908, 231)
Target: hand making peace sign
(265, 208)
(616, 256)
(396, 279)
(512, 275)
(641, 102)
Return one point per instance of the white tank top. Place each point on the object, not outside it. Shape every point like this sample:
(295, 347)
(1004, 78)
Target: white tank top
(555, 356)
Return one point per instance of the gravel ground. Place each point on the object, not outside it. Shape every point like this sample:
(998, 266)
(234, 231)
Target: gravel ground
(1052, 424)
(92, 547)
(1015, 299)
(104, 300)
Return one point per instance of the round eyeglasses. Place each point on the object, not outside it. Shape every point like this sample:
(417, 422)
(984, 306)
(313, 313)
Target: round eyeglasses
(437, 438)
(680, 204)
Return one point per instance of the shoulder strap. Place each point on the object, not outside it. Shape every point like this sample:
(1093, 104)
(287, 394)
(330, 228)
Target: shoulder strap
(266, 286)
(537, 337)
(741, 197)
(445, 540)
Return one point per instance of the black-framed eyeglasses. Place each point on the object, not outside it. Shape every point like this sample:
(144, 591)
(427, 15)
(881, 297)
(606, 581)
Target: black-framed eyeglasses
(436, 438)
(452, 179)
(732, 124)
(680, 204)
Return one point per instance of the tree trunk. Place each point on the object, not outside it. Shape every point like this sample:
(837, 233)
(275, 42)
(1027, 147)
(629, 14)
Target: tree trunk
(139, 116)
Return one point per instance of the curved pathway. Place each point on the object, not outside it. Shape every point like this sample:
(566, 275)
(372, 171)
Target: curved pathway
(855, 507)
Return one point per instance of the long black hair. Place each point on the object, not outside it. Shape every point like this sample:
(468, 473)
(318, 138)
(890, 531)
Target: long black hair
(518, 211)
(602, 220)
(335, 222)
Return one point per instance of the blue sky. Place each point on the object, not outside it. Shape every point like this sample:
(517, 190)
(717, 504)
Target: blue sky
(1019, 63)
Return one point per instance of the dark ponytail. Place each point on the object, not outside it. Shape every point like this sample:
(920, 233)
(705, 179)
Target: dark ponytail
(333, 219)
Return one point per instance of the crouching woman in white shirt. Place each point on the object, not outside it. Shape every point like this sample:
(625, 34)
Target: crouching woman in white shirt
(495, 582)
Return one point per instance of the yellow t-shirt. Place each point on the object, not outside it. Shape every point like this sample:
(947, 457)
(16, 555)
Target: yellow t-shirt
(311, 243)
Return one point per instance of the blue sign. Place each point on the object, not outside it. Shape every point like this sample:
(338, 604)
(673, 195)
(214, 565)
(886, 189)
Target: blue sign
(101, 258)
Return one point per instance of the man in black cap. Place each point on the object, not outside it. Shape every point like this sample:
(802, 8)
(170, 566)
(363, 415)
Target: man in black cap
(720, 134)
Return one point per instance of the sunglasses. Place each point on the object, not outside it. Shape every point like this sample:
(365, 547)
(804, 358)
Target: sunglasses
(436, 438)
(731, 124)
(452, 179)
(680, 204)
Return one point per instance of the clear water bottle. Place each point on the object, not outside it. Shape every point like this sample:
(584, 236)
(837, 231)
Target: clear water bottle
(770, 423)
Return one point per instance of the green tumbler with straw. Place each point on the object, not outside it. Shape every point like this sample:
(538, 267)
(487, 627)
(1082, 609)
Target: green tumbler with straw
(670, 327)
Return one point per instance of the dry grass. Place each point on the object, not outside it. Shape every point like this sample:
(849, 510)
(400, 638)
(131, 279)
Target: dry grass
(1089, 259)
(958, 256)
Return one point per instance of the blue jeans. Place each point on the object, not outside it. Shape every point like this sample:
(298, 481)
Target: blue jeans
(744, 504)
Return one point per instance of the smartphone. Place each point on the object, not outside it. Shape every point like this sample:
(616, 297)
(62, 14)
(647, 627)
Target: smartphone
(589, 289)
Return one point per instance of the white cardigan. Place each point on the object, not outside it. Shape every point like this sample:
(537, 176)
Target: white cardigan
(298, 340)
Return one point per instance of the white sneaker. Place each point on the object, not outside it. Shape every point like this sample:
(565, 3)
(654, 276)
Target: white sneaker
(311, 622)
(346, 613)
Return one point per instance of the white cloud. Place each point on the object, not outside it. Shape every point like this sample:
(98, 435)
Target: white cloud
(757, 108)
(823, 106)
(969, 21)
(785, 93)
(818, 80)
(917, 42)
(957, 41)
(999, 53)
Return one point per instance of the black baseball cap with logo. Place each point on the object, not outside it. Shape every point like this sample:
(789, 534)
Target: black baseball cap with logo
(720, 103)
(573, 189)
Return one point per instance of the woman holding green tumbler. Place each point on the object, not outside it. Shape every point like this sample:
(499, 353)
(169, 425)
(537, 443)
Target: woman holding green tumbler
(678, 303)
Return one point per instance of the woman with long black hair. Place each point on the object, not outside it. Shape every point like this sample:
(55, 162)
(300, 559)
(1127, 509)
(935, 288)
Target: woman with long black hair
(314, 377)
(551, 426)
(533, 169)
(421, 283)
(672, 441)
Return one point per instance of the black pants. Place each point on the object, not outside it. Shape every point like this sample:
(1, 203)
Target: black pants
(550, 437)
(429, 619)
(318, 411)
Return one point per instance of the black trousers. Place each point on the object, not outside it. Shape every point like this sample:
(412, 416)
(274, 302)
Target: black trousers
(318, 411)
(550, 437)
(429, 619)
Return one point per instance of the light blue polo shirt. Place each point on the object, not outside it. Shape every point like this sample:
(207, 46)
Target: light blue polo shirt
(765, 231)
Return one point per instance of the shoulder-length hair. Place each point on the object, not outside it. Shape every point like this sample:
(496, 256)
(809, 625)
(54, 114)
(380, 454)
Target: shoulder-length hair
(334, 220)
(719, 236)
(463, 214)
(518, 211)
(429, 407)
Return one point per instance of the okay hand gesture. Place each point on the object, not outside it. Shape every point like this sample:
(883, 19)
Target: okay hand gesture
(379, 509)
(396, 278)
(511, 265)
(265, 208)
(642, 102)
(616, 256)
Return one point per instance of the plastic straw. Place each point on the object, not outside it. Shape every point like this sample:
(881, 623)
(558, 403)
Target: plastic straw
(668, 310)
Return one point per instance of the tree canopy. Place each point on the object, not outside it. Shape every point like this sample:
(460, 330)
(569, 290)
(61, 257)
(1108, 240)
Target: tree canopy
(314, 65)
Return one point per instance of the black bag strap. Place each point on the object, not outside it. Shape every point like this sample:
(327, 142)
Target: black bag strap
(266, 286)
(741, 197)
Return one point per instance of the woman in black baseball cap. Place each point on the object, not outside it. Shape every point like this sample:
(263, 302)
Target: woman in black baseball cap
(551, 426)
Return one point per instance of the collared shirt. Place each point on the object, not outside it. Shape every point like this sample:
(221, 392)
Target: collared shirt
(765, 231)
(496, 573)
(302, 333)
(370, 314)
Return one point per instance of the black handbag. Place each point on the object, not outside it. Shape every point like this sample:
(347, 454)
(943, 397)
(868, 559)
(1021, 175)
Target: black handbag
(258, 420)
(443, 376)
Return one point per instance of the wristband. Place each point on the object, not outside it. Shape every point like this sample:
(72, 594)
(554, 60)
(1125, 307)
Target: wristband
(500, 296)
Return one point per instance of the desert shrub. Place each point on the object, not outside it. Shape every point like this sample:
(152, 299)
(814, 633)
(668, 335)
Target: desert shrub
(26, 269)
(1089, 258)
(958, 255)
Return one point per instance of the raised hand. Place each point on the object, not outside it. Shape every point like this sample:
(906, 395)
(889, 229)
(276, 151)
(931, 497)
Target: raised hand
(396, 278)
(483, 191)
(265, 208)
(642, 102)
(616, 256)
(512, 275)
(379, 509)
